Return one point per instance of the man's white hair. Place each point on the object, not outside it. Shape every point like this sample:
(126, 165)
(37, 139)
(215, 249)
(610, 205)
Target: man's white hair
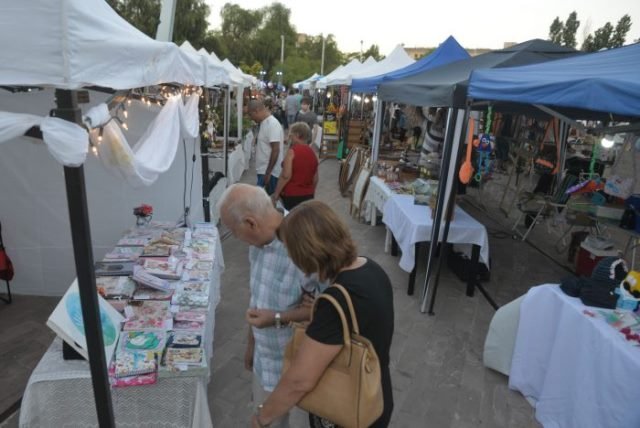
(240, 200)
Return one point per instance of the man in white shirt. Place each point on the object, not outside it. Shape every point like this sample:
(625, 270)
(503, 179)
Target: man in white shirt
(269, 145)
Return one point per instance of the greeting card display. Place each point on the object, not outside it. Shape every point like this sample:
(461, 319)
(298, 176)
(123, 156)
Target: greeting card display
(123, 254)
(146, 315)
(114, 268)
(115, 287)
(67, 322)
(142, 341)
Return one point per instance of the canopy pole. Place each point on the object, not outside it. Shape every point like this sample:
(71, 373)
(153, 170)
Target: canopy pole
(204, 145)
(67, 109)
(437, 218)
(377, 130)
(227, 122)
(239, 108)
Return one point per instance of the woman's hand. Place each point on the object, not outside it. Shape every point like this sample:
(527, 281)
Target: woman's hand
(254, 422)
(261, 318)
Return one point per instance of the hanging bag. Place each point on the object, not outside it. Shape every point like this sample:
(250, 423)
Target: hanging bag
(349, 392)
(466, 170)
(617, 185)
(6, 267)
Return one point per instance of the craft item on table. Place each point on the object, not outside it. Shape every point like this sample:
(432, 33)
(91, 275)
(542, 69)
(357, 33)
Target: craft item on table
(142, 341)
(186, 308)
(134, 363)
(145, 293)
(202, 249)
(205, 230)
(156, 224)
(118, 304)
(115, 287)
(190, 299)
(188, 356)
(144, 277)
(133, 242)
(183, 339)
(140, 380)
(143, 214)
(123, 254)
(193, 326)
(190, 316)
(166, 269)
(193, 287)
(66, 321)
(156, 250)
(199, 265)
(196, 275)
(114, 268)
(148, 314)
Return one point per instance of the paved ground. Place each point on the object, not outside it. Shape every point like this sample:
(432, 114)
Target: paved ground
(437, 372)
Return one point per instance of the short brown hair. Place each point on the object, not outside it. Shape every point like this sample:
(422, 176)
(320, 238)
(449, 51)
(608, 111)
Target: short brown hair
(317, 240)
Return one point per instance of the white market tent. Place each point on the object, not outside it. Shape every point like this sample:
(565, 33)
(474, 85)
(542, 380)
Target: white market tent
(307, 83)
(71, 44)
(214, 72)
(338, 73)
(343, 77)
(397, 59)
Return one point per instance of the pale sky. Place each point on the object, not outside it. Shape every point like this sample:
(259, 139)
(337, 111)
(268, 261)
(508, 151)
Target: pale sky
(475, 24)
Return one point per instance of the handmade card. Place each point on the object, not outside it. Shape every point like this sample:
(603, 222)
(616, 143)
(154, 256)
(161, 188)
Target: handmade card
(115, 287)
(67, 322)
(123, 254)
(142, 341)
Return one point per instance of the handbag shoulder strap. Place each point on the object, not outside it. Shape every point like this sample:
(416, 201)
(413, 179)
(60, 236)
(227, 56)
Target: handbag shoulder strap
(347, 297)
(343, 318)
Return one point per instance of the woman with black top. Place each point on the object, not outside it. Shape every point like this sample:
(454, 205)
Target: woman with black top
(319, 242)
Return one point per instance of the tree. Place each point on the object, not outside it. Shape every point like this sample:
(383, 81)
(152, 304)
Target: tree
(601, 39)
(268, 40)
(238, 32)
(622, 28)
(373, 51)
(555, 31)
(564, 33)
(190, 18)
(569, 30)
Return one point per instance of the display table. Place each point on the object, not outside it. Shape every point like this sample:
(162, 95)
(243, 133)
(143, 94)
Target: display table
(377, 195)
(60, 393)
(411, 224)
(578, 371)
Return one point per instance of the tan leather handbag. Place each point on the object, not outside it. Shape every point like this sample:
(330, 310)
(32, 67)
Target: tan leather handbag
(349, 392)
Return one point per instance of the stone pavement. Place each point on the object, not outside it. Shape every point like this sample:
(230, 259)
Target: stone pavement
(436, 361)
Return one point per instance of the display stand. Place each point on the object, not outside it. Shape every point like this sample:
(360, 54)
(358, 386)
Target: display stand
(329, 145)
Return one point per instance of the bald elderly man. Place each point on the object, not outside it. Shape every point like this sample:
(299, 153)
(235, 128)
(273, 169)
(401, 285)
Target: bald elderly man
(277, 285)
(269, 145)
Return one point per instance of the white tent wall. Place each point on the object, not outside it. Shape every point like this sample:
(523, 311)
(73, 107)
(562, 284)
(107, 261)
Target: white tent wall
(33, 203)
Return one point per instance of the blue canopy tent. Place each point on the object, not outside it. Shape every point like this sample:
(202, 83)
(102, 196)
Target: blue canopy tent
(449, 51)
(607, 81)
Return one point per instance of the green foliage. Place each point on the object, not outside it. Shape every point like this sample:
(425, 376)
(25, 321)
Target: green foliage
(555, 31)
(564, 33)
(607, 37)
(569, 30)
(190, 18)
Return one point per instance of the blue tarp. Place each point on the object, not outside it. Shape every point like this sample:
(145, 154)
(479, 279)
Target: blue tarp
(607, 81)
(448, 51)
(446, 86)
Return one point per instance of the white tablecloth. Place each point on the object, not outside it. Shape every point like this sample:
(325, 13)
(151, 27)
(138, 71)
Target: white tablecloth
(377, 195)
(59, 393)
(411, 223)
(578, 370)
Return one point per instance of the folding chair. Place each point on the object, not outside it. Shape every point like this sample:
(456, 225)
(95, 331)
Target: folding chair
(535, 207)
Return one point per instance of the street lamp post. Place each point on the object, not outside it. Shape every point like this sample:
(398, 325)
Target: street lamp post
(281, 59)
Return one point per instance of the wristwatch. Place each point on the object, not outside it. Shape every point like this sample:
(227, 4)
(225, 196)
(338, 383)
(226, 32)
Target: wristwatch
(278, 320)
